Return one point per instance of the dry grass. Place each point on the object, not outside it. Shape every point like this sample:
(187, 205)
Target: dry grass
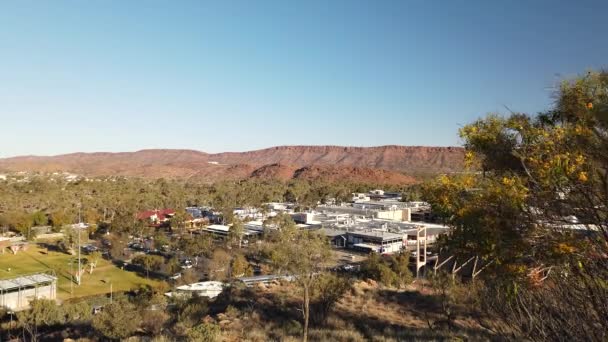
(368, 312)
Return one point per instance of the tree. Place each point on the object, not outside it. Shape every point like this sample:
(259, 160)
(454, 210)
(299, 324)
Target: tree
(235, 234)
(301, 254)
(117, 320)
(400, 265)
(91, 216)
(39, 218)
(537, 212)
(60, 218)
(239, 267)
(42, 312)
(326, 293)
(178, 221)
(149, 262)
(206, 332)
(219, 264)
(94, 258)
(20, 222)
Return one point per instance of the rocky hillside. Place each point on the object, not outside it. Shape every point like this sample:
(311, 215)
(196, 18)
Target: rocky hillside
(384, 164)
(408, 159)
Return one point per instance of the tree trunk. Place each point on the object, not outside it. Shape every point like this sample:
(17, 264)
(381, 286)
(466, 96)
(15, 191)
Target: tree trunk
(306, 312)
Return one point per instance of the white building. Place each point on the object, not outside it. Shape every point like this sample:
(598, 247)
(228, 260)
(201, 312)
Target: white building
(209, 289)
(17, 293)
(359, 197)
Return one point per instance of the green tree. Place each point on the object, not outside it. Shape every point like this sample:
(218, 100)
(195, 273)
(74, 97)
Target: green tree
(20, 222)
(149, 262)
(206, 332)
(42, 312)
(235, 234)
(94, 258)
(239, 267)
(400, 265)
(326, 292)
(39, 218)
(60, 218)
(301, 254)
(117, 320)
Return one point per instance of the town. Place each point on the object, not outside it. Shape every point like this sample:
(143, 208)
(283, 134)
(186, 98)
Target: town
(260, 171)
(374, 222)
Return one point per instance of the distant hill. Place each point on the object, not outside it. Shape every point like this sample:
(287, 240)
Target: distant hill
(383, 164)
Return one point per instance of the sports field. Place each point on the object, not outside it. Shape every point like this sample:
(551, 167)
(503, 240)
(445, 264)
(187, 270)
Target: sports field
(38, 259)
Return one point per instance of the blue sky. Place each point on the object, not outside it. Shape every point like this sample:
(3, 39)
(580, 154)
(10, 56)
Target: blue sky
(243, 75)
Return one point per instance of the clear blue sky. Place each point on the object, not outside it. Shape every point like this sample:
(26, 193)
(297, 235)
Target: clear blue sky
(233, 76)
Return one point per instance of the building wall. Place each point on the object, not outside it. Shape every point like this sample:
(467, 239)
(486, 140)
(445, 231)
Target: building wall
(19, 300)
(392, 248)
(403, 215)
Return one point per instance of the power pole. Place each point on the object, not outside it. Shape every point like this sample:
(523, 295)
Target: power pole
(78, 256)
(78, 230)
(71, 277)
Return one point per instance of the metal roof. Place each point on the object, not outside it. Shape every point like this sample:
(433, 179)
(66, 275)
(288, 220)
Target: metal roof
(376, 234)
(25, 281)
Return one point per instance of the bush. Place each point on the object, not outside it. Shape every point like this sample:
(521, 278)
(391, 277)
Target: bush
(393, 272)
(206, 332)
(117, 320)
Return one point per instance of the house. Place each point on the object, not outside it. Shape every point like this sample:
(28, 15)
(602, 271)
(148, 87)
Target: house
(156, 217)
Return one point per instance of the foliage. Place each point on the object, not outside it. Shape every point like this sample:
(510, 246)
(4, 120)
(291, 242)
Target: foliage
(537, 210)
(391, 271)
(188, 311)
(149, 262)
(326, 292)
(39, 218)
(239, 266)
(206, 332)
(46, 312)
(301, 254)
(117, 320)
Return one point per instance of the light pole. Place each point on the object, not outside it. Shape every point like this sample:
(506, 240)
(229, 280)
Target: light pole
(71, 277)
(78, 230)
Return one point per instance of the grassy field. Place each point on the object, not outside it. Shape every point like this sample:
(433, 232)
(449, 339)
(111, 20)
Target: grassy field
(38, 259)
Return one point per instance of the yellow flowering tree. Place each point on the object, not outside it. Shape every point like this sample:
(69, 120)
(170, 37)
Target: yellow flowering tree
(535, 198)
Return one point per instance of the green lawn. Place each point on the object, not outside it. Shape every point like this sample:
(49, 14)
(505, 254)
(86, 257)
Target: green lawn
(37, 259)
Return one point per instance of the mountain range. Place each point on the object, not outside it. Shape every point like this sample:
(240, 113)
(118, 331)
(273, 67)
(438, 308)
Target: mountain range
(383, 164)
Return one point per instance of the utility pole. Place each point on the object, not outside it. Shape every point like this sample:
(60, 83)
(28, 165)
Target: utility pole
(78, 230)
(71, 277)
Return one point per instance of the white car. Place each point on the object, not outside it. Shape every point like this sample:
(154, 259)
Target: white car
(176, 276)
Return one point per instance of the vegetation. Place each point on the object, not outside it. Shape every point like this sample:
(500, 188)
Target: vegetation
(391, 271)
(538, 212)
(300, 254)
